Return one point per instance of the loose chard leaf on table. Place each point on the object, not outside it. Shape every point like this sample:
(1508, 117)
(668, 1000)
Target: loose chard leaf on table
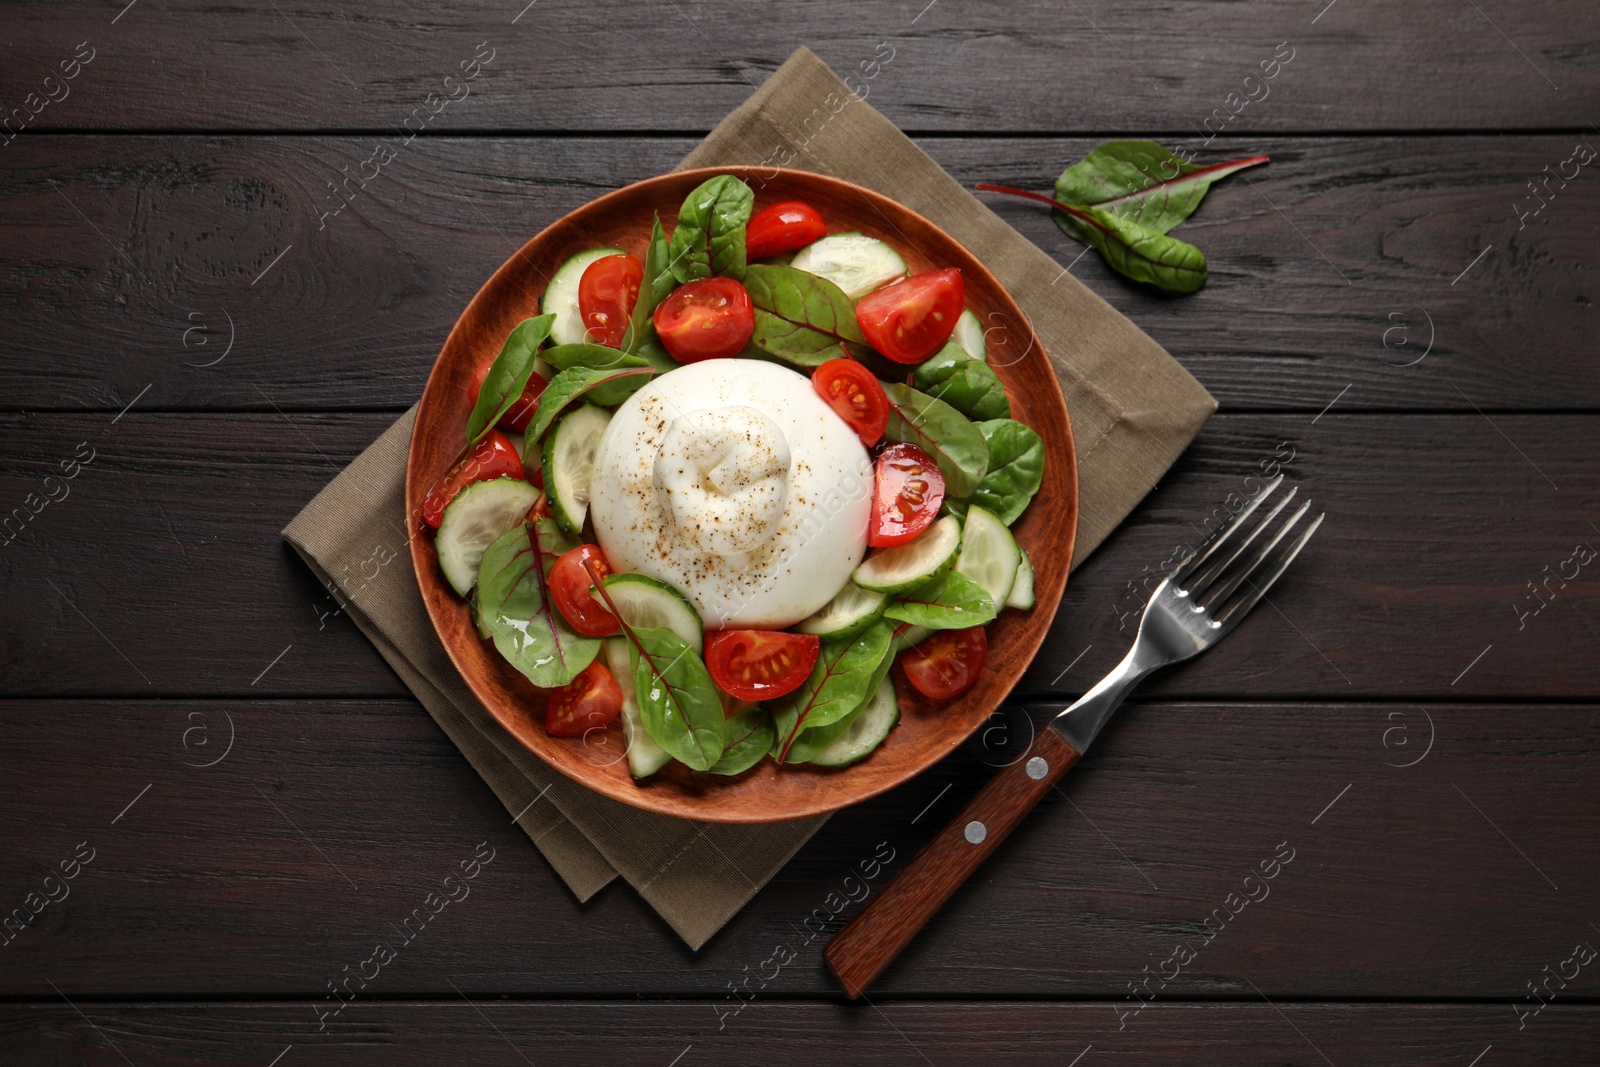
(942, 432)
(604, 387)
(508, 375)
(709, 239)
(1016, 470)
(1142, 182)
(677, 699)
(966, 384)
(800, 317)
(1124, 197)
(750, 736)
(653, 288)
(950, 602)
(840, 683)
(1136, 251)
(515, 609)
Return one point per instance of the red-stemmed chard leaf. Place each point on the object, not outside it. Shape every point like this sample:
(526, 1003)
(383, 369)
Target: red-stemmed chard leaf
(678, 702)
(1130, 249)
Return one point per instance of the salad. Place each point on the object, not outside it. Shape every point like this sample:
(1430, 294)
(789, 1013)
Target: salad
(739, 491)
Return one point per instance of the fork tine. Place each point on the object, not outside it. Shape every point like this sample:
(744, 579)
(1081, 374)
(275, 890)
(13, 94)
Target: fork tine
(1242, 606)
(1203, 553)
(1213, 571)
(1220, 597)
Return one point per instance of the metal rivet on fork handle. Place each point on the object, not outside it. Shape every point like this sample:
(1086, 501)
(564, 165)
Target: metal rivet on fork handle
(976, 832)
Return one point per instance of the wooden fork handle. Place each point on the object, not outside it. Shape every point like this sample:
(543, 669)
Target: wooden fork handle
(870, 942)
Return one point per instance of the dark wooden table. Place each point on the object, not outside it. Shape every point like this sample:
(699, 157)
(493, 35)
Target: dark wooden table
(188, 356)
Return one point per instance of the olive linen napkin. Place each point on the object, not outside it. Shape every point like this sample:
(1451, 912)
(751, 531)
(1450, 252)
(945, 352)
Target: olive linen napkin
(1133, 412)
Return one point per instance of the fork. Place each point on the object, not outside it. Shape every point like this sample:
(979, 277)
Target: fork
(1192, 609)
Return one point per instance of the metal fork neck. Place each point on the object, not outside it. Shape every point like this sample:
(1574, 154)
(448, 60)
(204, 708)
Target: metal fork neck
(1082, 722)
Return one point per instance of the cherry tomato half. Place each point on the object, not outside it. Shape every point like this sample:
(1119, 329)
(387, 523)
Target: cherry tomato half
(946, 663)
(911, 319)
(606, 294)
(851, 390)
(906, 493)
(570, 585)
(760, 664)
(493, 457)
(588, 702)
(782, 228)
(515, 420)
(710, 318)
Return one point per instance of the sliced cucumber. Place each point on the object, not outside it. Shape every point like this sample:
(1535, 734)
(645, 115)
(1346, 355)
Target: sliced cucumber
(645, 757)
(1022, 589)
(989, 554)
(476, 518)
(904, 567)
(561, 296)
(854, 263)
(904, 639)
(569, 464)
(532, 458)
(866, 730)
(969, 335)
(643, 601)
(847, 614)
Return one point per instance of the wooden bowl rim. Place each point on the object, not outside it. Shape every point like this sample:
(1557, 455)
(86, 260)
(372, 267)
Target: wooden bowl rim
(1064, 468)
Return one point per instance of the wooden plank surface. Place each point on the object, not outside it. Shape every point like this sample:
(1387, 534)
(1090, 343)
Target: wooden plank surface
(990, 66)
(326, 822)
(201, 267)
(1415, 718)
(162, 572)
(477, 1028)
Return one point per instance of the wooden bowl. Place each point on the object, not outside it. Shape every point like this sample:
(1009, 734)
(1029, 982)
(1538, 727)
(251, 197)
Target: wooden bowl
(765, 793)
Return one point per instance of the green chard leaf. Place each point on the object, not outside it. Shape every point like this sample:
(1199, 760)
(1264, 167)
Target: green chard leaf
(709, 239)
(966, 384)
(652, 353)
(942, 432)
(800, 317)
(653, 288)
(1136, 251)
(1124, 197)
(508, 375)
(1016, 470)
(810, 743)
(677, 699)
(603, 387)
(837, 686)
(515, 609)
(588, 354)
(952, 601)
(1142, 183)
(750, 736)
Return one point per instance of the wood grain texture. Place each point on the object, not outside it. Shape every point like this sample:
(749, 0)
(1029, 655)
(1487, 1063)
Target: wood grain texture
(991, 66)
(177, 250)
(885, 925)
(477, 1028)
(230, 880)
(1440, 850)
(163, 572)
(766, 792)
